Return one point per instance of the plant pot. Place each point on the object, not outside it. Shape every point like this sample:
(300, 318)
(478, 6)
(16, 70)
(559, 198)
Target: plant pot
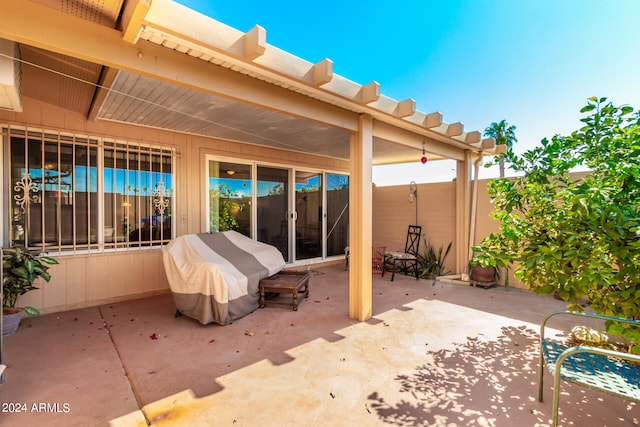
(11, 318)
(483, 274)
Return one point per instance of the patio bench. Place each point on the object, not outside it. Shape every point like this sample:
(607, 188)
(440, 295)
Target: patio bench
(612, 372)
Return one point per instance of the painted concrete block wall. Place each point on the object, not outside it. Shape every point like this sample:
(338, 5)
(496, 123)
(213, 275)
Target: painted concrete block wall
(393, 213)
(484, 223)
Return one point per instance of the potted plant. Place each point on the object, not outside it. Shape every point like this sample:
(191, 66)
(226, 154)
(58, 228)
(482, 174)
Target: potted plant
(483, 270)
(20, 269)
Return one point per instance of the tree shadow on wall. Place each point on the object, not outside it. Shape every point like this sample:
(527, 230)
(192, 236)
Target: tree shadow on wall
(483, 383)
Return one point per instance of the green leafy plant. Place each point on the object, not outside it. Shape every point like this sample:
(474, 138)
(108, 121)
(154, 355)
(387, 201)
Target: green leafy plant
(484, 260)
(577, 237)
(431, 261)
(20, 269)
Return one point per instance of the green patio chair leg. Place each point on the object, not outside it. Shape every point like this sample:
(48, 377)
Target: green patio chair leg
(541, 377)
(556, 399)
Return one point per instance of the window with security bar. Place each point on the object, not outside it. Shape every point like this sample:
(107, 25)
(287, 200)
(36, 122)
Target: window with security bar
(80, 193)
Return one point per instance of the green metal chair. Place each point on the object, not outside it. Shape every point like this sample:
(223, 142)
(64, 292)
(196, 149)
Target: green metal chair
(612, 372)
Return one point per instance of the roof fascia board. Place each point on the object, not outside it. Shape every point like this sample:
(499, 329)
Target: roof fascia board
(393, 134)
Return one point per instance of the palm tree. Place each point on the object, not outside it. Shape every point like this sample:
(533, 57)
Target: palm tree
(503, 133)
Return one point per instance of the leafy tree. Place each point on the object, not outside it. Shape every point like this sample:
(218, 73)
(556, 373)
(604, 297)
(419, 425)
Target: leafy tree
(504, 134)
(576, 237)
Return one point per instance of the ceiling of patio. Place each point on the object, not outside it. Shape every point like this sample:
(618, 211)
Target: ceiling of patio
(134, 99)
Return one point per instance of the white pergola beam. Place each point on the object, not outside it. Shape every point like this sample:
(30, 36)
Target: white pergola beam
(255, 42)
(405, 108)
(500, 149)
(432, 120)
(369, 93)
(495, 150)
(487, 144)
(23, 22)
(472, 137)
(323, 72)
(219, 43)
(490, 143)
(133, 19)
(454, 129)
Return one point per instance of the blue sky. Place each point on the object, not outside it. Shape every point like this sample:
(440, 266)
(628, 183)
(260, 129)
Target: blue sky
(531, 62)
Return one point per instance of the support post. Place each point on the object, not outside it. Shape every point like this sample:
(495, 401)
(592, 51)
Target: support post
(463, 210)
(360, 224)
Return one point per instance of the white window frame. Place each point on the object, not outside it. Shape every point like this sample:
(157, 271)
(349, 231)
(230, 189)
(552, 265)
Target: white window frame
(100, 143)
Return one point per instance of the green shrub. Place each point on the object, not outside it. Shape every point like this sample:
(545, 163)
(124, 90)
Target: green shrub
(576, 237)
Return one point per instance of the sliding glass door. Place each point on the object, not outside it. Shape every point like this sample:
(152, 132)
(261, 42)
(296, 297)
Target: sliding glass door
(303, 213)
(337, 213)
(273, 208)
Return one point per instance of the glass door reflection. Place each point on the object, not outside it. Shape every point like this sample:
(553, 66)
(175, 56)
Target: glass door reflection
(308, 208)
(272, 213)
(229, 198)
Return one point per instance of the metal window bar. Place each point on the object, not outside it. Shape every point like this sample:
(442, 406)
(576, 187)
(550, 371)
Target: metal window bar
(159, 157)
(51, 148)
(58, 193)
(108, 156)
(74, 205)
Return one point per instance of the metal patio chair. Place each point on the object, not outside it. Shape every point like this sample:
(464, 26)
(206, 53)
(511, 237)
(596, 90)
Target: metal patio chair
(407, 260)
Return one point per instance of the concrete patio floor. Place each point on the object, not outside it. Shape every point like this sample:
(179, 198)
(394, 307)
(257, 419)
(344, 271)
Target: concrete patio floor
(432, 355)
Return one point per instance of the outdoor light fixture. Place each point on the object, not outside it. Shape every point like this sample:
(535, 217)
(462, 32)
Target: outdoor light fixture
(231, 172)
(413, 192)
